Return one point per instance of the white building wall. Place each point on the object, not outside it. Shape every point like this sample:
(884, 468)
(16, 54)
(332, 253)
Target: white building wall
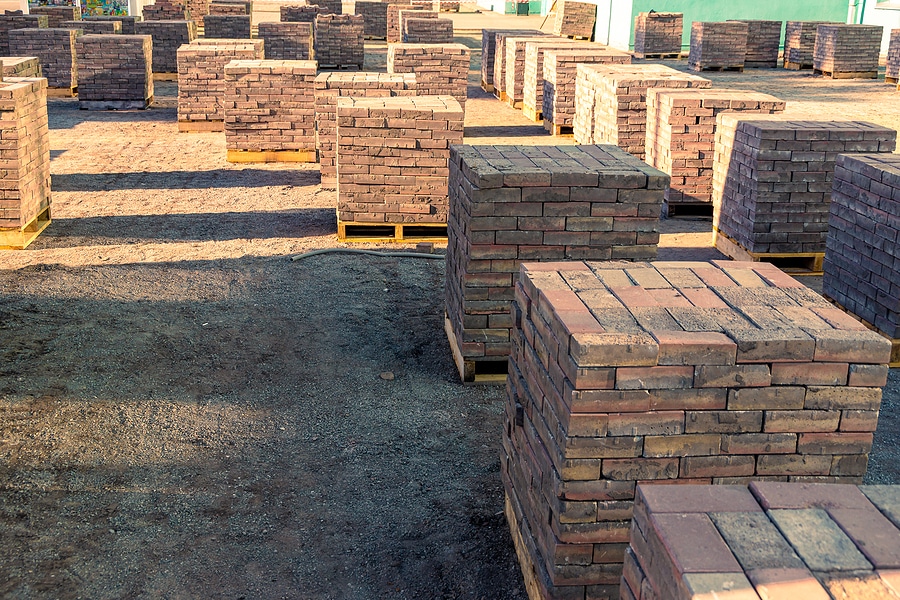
(886, 14)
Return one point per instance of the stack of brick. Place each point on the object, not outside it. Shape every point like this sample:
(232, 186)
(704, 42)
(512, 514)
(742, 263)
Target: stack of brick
(500, 44)
(428, 31)
(24, 153)
(329, 7)
(227, 27)
(422, 4)
(763, 44)
(230, 8)
(892, 64)
(166, 10)
(339, 41)
(862, 255)
(681, 135)
(560, 67)
(488, 52)
(287, 41)
(16, 20)
(330, 87)
(514, 65)
(799, 43)
(55, 47)
(415, 13)
(201, 79)
(718, 45)
(197, 10)
(281, 94)
(21, 66)
(126, 21)
(394, 30)
(440, 69)
(611, 102)
(775, 540)
(658, 34)
(445, 5)
(671, 372)
(100, 27)
(392, 158)
(544, 203)
(168, 37)
(374, 15)
(575, 19)
(532, 74)
(299, 14)
(114, 71)
(772, 178)
(848, 50)
(57, 14)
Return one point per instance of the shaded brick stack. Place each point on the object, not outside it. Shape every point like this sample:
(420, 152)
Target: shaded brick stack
(197, 10)
(392, 158)
(55, 47)
(707, 373)
(445, 5)
(287, 41)
(763, 44)
(718, 45)
(658, 34)
(201, 80)
(114, 71)
(339, 40)
(168, 37)
(374, 15)
(428, 31)
(127, 22)
(299, 14)
(101, 27)
(282, 92)
(227, 26)
(394, 29)
(773, 540)
(57, 14)
(488, 52)
(514, 65)
(611, 102)
(848, 50)
(229, 8)
(862, 255)
(681, 135)
(799, 43)
(511, 204)
(329, 7)
(575, 19)
(166, 10)
(532, 73)
(415, 13)
(21, 66)
(772, 178)
(330, 87)
(16, 20)
(892, 65)
(500, 55)
(440, 69)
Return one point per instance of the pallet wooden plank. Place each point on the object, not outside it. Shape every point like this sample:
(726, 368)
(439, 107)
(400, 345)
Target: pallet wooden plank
(786, 261)
(19, 239)
(271, 156)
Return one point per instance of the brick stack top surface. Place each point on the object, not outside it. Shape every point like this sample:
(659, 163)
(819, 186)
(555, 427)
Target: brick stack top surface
(94, 26)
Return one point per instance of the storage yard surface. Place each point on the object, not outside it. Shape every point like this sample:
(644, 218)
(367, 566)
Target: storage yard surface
(186, 412)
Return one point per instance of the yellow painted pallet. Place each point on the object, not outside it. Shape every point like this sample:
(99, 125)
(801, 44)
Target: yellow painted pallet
(796, 66)
(512, 102)
(847, 74)
(895, 343)
(391, 232)
(471, 371)
(488, 87)
(271, 156)
(200, 126)
(62, 92)
(793, 263)
(891, 79)
(657, 55)
(530, 113)
(19, 239)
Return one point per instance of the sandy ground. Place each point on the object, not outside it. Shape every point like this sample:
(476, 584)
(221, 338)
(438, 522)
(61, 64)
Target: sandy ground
(186, 412)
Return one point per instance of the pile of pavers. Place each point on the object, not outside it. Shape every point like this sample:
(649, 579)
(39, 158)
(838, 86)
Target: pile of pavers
(763, 44)
(126, 21)
(575, 19)
(166, 10)
(658, 34)
(168, 37)
(339, 41)
(101, 27)
(21, 66)
(299, 14)
(114, 71)
(287, 41)
(530, 78)
(227, 26)
(847, 51)
(718, 45)
(440, 69)
(374, 14)
(799, 43)
(488, 53)
(56, 15)
(503, 41)
(892, 64)
(55, 47)
(16, 20)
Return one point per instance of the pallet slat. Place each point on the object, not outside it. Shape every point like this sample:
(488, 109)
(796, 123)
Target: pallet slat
(391, 232)
(271, 156)
(471, 371)
(810, 263)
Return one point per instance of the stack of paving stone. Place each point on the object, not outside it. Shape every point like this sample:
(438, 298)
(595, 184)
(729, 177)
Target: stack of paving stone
(201, 80)
(339, 40)
(763, 44)
(671, 372)
(55, 47)
(329, 7)
(512, 204)
(862, 256)
(16, 20)
(166, 10)
(445, 5)
(488, 52)
(283, 120)
(394, 29)
(197, 10)
(25, 154)
(374, 14)
(848, 50)
(575, 19)
(775, 540)
(892, 65)
(415, 13)
(227, 26)
(681, 135)
(532, 74)
(658, 34)
(440, 69)
(57, 14)
(21, 66)
(514, 64)
(799, 43)
(168, 37)
(501, 38)
(114, 71)
(773, 177)
(230, 8)
(718, 45)
(100, 27)
(287, 41)
(330, 87)
(127, 22)
(611, 102)
(392, 158)
(299, 14)
(560, 67)
(428, 31)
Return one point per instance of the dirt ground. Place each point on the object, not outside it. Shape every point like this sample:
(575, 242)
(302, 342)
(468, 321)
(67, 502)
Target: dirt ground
(187, 413)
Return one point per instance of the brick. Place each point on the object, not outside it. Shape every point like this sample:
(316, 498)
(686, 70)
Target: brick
(810, 373)
(818, 540)
(801, 420)
(130, 56)
(736, 376)
(775, 495)
(694, 544)
(787, 584)
(441, 69)
(874, 535)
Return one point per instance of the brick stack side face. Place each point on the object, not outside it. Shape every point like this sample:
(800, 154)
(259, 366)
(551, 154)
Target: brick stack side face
(330, 7)
(392, 158)
(98, 27)
(892, 66)
(560, 68)
(230, 8)
(287, 41)
(126, 21)
(772, 177)
(707, 373)
(129, 57)
(299, 14)
(168, 37)
(394, 30)
(428, 31)
(339, 40)
(270, 105)
(533, 69)
(57, 14)
(576, 19)
(658, 33)
(489, 49)
(197, 10)
(201, 75)
(847, 48)
(717, 45)
(800, 41)
(330, 87)
(8, 22)
(681, 134)
(445, 5)
(514, 63)
(21, 66)
(862, 255)
(500, 53)
(227, 27)
(763, 44)
(546, 203)
(25, 152)
(375, 16)
(440, 69)
(165, 10)
(55, 47)
(415, 12)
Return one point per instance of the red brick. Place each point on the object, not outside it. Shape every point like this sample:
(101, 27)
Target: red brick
(696, 498)
(875, 536)
(651, 423)
(694, 348)
(650, 378)
(732, 376)
(810, 373)
(693, 543)
(775, 495)
(834, 443)
(787, 584)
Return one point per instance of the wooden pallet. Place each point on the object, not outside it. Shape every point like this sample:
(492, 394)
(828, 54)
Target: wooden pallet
(391, 232)
(200, 126)
(19, 239)
(530, 113)
(62, 92)
(847, 74)
(529, 570)
(720, 68)
(895, 343)
(580, 38)
(341, 67)
(797, 66)
(500, 95)
(891, 79)
(473, 371)
(688, 210)
(513, 103)
(165, 77)
(488, 87)
(271, 156)
(657, 55)
(792, 263)
(554, 129)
